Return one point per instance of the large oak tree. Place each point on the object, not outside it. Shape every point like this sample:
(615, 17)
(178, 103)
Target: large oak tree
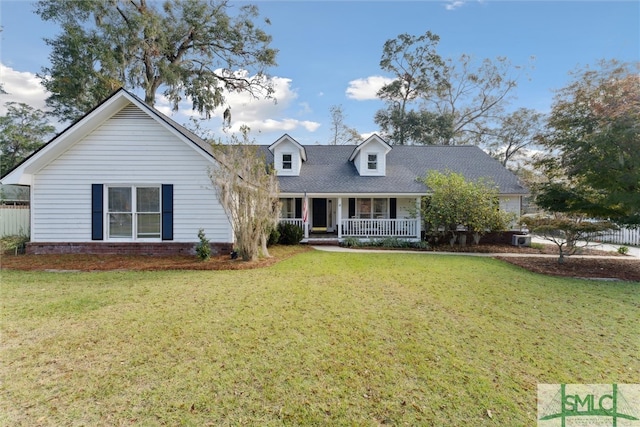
(417, 70)
(432, 100)
(181, 48)
(23, 129)
(593, 138)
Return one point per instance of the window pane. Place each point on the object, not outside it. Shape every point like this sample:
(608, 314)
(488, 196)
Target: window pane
(380, 208)
(149, 225)
(120, 225)
(288, 208)
(148, 199)
(286, 161)
(364, 208)
(119, 199)
(372, 161)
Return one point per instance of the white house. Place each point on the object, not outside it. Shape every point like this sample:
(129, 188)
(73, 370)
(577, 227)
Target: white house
(123, 179)
(372, 190)
(127, 179)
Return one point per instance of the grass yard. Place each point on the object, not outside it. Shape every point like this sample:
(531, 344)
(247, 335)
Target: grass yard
(318, 339)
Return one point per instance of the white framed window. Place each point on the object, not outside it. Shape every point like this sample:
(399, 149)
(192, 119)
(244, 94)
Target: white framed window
(363, 208)
(372, 162)
(371, 208)
(287, 161)
(380, 208)
(133, 212)
(288, 208)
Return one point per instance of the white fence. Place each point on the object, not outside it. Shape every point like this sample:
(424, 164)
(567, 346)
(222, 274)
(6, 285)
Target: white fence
(623, 236)
(14, 220)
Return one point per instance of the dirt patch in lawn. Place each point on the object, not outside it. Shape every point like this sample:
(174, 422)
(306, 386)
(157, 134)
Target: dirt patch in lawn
(598, 266)
(86, 262)
(620, 267)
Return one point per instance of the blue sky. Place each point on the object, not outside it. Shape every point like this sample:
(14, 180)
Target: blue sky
(329, 53)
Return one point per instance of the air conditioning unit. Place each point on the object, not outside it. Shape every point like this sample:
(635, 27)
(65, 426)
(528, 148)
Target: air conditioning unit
(521, 240)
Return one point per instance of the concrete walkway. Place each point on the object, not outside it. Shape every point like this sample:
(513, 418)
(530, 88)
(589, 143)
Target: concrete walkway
(634, 252)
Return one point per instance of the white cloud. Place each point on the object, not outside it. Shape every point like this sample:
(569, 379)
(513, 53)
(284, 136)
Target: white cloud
(260, 115)
(21, 87)
(453, 5)
(367, 88)
(305, 108)
(284, 125)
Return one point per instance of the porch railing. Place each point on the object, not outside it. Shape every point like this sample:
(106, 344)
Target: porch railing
(295, 221)
(369, 228)
(380, 227)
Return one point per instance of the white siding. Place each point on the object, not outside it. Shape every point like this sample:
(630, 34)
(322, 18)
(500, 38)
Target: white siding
(510, 204)
(406, 208)
(129, 148)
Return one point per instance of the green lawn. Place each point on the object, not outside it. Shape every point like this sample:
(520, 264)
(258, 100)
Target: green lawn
(318, 339)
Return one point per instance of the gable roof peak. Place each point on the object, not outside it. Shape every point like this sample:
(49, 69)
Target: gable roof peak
(372, 139)
(286, 137)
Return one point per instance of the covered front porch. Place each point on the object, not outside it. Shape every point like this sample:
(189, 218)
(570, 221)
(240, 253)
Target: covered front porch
(358, 216)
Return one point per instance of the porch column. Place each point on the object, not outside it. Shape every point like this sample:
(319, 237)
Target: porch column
(305, 215)
(418, 217)
(339, 218)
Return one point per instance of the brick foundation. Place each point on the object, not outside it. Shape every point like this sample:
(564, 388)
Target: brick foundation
(105, 248)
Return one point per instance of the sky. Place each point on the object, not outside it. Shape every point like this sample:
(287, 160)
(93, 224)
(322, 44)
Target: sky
(329, 54)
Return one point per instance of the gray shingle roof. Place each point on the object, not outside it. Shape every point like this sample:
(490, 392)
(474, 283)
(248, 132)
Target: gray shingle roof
(328, 170)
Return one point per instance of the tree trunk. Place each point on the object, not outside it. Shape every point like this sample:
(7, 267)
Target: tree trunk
(263, 244)
(476, 238)
(561, 258)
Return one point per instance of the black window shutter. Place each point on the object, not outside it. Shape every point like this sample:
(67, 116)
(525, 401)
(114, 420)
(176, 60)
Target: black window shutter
(352, 207)
(298, 212)
(167, 211)
(97, 212)
(393, 202)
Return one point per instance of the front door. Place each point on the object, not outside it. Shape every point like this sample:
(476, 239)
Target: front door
(319, 214)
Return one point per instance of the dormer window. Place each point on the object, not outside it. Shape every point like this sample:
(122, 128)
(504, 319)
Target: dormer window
(287, 162)
(372, 162)
(288, 156)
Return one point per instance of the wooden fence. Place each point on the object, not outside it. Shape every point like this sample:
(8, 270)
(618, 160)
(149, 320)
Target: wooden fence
(14, 220)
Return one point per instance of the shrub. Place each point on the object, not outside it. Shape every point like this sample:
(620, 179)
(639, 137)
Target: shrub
(387, 242)
(422, 244)
(203, 250)
(623, 250)
(274, 237)
(290, 234)
(14, 243)
(351, 242)
(394, 242)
